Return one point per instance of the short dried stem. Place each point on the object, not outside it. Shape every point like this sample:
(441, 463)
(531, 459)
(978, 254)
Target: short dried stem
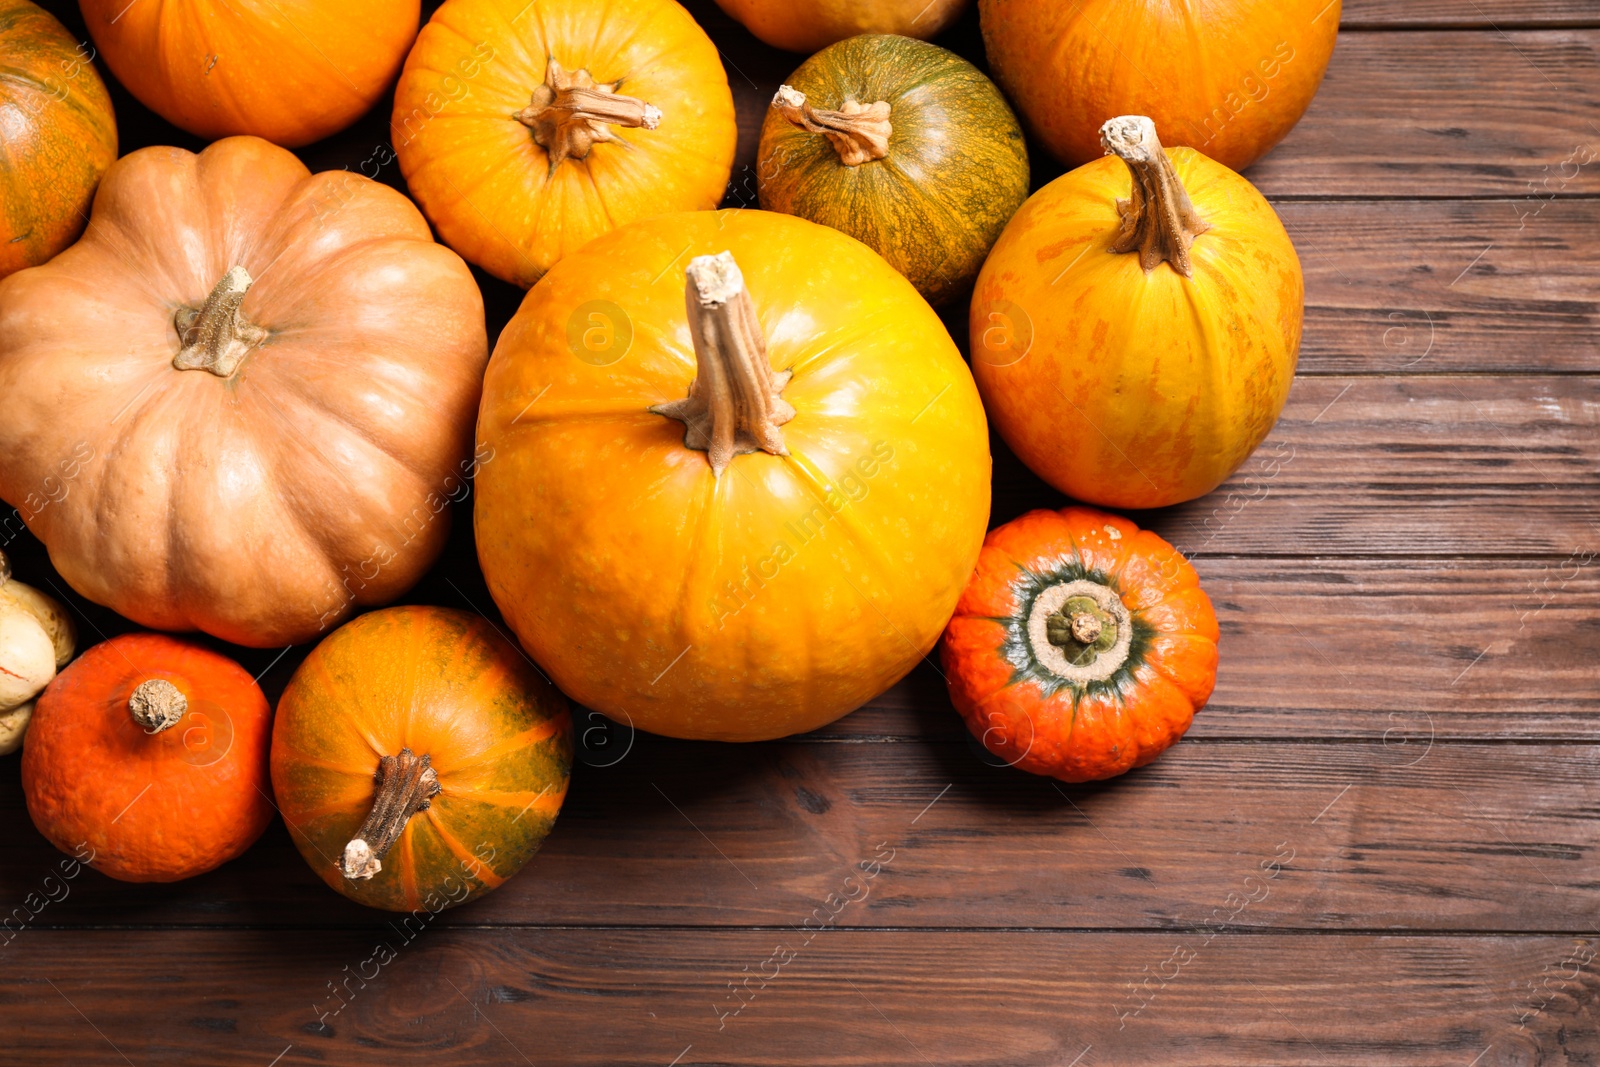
(858, 132)
(1158, 220)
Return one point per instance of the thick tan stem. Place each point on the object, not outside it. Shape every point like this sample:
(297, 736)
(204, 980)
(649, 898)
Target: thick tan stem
(5, 568)
(215, 337)
(1158, 221)
(157, 705)
(858, 132)
(735, 403)
(571, 112)
(407, 784)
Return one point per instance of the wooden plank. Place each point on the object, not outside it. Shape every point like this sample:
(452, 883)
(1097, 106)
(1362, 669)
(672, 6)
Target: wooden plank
(1487, 14)
(1424, 287)
(1419, 466)
(845, 999)
(1353, 836)
(1406, 115)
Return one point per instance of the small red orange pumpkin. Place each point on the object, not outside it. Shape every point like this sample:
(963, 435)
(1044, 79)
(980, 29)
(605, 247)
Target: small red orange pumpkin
(1083, 646)
(150, 753)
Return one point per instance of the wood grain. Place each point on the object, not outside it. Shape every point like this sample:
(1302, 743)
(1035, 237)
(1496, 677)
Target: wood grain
(707, 835)
(1404, 466)
(846, 999)
(1490, 14)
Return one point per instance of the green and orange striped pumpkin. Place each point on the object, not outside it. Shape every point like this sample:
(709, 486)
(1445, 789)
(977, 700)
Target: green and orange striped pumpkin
(902, 145)
(58, 137)
(419, 758)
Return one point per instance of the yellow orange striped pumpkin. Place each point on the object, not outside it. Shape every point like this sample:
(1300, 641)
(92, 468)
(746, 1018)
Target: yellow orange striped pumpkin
(419, 758)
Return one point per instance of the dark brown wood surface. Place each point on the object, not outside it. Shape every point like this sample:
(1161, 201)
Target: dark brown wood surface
(1380, 843)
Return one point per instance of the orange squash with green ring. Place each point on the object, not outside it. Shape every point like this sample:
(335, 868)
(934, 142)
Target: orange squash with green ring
(1082, 647)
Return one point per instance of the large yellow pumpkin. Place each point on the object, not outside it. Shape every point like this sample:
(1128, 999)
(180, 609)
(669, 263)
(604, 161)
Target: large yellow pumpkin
(1135, 341)
(740, 475)
(525, 130)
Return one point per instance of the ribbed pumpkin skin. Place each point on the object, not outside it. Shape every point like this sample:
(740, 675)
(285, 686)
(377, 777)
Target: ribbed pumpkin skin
(1042, 723)
(444, 684)
(1137, 390)
(791, 589)
(290, 71)
(1228, 77)
(153, 807)
(265, 506)
(957, 168)
(807, 25)
(58, 138)
(486, 184)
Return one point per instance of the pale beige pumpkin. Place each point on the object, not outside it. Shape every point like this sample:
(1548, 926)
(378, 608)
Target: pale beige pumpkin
(252, 389)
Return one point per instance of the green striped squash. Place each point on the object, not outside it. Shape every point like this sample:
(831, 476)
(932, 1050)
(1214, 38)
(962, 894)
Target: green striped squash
(904, 146)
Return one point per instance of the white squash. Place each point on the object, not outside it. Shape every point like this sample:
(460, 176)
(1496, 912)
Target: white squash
(36, 640)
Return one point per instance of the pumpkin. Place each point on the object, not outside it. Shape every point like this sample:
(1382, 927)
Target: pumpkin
(151, 752)
(1228, 77)
(36, 640)
(524, 132)
(905, 147)
(1135, 342)
(741, 474)
(253, 387)
(58, 138)
(419, 758)
(807, 25)
(1082, 647)
(292, 71)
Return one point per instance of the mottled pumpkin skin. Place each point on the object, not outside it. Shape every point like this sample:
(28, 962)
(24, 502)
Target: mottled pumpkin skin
(957, 168)
(1228, 77)
(488, 187)
(151, 807)
(1128, 389)
(290, 71)
(807, 25)
(444, 684)
(791, 589)
(1038, 721)
(58, 137)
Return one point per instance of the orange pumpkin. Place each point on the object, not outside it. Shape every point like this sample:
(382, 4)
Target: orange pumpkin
(58, 137)
(1082, 647)
(419, 758)
(292, 71)
(1229, 77)
(526, 131)
(1133, 352)
(241, 403)
(732, 501)
(150, 753)
(811, 25)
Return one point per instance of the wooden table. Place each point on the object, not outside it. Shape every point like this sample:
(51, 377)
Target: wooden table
(1377, 845)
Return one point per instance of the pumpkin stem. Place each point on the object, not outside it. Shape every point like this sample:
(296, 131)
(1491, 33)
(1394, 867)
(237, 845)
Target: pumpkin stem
(570, 112)
(216, 337)
(858, 132)
(735, 403)
(157, 705)
(1158, 219)
(1080, 630)
(5, 568)
(407, 784)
